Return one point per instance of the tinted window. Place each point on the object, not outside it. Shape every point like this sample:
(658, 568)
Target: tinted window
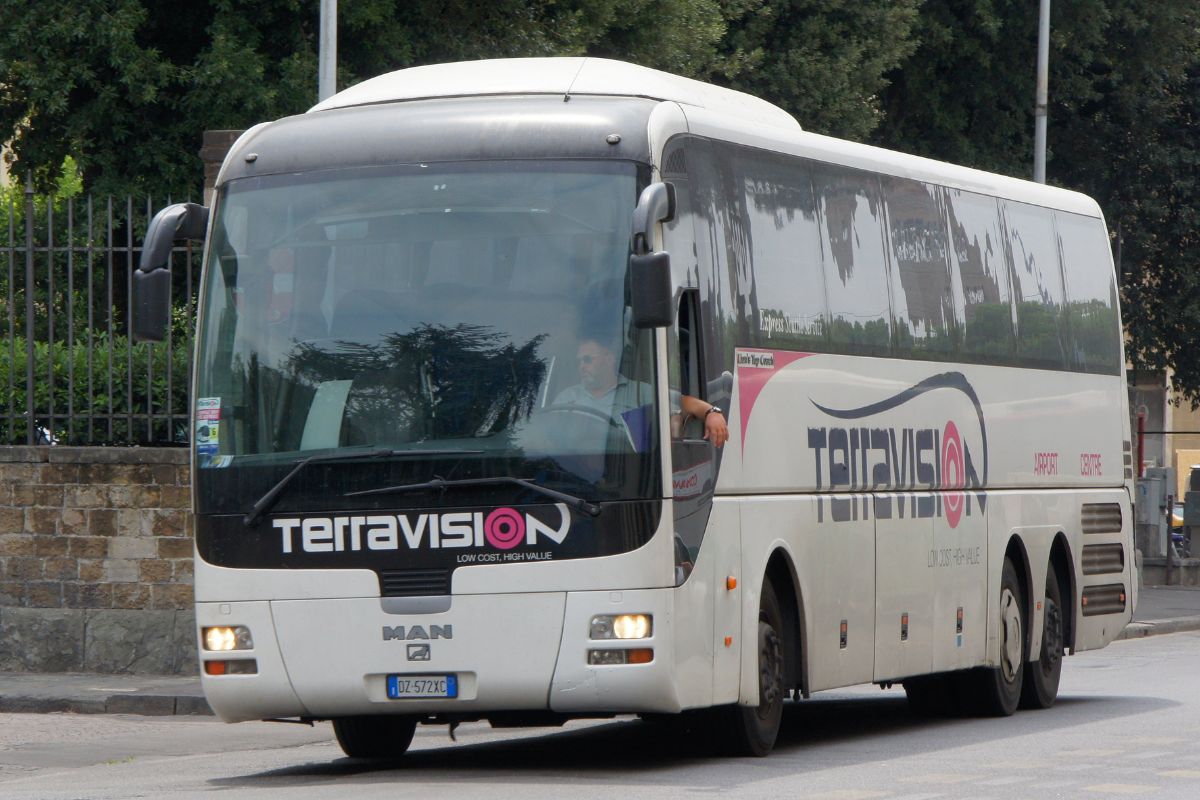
(785, 241)
(1037, 286)
(980, 274)
(470, 316)
(926, 325)
(855, 264)
(1091, 317)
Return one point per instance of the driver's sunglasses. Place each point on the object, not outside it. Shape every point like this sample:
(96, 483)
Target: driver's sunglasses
(587, 359)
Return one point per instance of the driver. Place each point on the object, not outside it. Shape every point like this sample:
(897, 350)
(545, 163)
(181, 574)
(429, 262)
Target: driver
(603, 388)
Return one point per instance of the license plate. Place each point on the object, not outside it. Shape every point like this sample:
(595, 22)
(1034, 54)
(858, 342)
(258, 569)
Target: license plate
(407, 687)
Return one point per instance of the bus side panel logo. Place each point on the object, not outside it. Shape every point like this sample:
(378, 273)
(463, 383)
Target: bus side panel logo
(874, 457)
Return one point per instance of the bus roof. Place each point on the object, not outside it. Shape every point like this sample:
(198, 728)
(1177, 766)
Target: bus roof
(555, 76)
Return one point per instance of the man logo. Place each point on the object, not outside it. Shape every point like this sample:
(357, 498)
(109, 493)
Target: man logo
(418, 632)
(418, 652)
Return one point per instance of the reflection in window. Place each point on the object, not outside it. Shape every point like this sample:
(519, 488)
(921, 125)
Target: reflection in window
(786, 241)
(1037, 286)
(977, 251)
(427, 310)
(856, 269)
(1091, 292)
(925, 321)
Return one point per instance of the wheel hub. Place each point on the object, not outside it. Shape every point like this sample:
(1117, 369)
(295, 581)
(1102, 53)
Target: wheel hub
(1010, 643)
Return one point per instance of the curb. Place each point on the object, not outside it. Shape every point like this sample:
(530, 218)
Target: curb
(142, 705)
(1136, 630)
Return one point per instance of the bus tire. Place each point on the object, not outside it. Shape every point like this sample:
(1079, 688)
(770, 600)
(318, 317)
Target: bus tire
(1043, 674)
(375, 737)
(998, 689)
(752, 730)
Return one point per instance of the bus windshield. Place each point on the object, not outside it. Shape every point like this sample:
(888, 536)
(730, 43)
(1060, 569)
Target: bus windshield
(471, 318)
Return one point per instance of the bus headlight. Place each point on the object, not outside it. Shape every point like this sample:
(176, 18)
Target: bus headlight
(236, 637)
(621, 626)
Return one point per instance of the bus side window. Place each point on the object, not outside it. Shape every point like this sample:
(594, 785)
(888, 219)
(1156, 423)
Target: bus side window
(1090, 314)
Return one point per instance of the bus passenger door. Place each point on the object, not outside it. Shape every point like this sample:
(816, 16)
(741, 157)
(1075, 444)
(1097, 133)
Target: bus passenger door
(693, 478)
(904, 584)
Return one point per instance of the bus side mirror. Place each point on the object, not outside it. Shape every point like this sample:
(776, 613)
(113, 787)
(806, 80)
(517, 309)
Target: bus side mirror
(152, 280)
(650, 273)
(650, 290)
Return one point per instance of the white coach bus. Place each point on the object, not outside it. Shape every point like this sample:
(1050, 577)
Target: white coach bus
(416, 503)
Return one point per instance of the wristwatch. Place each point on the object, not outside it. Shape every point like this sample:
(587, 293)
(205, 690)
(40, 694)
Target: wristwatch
(711, 409)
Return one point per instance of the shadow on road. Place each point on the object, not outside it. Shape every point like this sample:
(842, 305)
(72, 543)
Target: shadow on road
(824, 732)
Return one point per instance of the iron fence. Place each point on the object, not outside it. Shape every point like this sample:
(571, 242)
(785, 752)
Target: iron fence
(69, 373)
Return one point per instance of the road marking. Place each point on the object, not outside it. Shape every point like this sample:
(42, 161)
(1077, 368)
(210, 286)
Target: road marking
(1149, 755)
(849, 794)
(1094, 753)
(1120, 788)
(1031, 764)
(939, 777)
(1006, 781)
(1181, 773)
(1156, 739)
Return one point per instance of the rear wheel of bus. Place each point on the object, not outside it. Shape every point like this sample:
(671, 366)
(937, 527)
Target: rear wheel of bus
(381, 737)
(1042, 675)
(752, 730)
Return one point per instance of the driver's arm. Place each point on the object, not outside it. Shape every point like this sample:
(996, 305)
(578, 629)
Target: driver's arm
(715, 428)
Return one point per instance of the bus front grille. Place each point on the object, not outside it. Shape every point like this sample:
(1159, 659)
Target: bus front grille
(1101, 518)
(414, 582)
(1101, 559)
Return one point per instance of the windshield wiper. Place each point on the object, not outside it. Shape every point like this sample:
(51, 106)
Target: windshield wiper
(265, 502)
(577, 503)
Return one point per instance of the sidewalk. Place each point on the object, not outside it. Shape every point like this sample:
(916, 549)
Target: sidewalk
(1161, 609)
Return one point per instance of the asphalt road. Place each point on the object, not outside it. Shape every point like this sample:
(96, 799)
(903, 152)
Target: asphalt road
(1127, 724)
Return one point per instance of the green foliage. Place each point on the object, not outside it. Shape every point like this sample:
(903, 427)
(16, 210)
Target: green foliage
(92, 379)
(128, 86)
(825, 61)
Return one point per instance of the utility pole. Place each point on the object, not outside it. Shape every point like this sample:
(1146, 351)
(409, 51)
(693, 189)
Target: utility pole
(327, 56)
(1043, 80)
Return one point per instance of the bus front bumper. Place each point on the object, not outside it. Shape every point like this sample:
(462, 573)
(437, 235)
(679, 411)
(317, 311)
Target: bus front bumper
(506, 652)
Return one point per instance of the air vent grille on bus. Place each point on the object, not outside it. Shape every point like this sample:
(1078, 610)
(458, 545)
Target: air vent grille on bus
(1100, 559)
(414, 582)
(1108, 599)
(675, 165)
(1101, 518)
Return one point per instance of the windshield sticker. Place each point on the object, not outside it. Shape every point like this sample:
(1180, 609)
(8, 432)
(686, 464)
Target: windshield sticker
(208, 426)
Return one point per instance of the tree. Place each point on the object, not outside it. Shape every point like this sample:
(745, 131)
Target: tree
(825, 61)
(128, 86)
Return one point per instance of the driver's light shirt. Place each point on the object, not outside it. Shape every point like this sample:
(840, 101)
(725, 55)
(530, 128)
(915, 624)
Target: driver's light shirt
(626, 395)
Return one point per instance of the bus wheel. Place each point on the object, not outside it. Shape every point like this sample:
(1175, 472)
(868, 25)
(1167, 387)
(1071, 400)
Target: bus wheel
(752, 730)
(999, 689)
(379, 737)
(1042, 675)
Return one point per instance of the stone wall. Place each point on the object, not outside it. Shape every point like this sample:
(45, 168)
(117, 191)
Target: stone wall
(96, 560)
